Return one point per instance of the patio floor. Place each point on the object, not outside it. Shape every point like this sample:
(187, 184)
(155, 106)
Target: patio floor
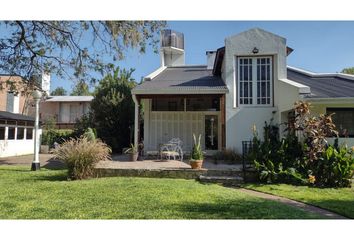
(122, 162)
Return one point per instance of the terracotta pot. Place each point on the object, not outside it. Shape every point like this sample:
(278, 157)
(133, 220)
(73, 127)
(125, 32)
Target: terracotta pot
(196, 164)
(134, 157)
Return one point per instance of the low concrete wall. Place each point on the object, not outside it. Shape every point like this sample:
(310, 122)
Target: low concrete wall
(153, 173)
(249, 176)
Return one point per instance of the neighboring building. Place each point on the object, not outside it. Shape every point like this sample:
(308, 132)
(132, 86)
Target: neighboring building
(245, 83)
(16, 134)
(17, 111)
(65, 110)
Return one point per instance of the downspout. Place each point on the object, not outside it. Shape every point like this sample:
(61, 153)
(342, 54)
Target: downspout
(136, 120)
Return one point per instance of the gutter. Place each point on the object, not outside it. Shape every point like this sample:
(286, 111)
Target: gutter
(174, 91)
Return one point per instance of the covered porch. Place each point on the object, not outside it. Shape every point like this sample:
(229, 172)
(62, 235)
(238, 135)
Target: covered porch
(177, 102)
(180, 116)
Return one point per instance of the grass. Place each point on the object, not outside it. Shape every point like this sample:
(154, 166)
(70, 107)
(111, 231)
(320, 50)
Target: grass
(339, 200)
(47, 194)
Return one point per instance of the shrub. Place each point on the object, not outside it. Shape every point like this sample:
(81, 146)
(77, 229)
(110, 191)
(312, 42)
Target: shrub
(230, 156)
(81, 156)
(334, 168)
(55, 135)
(276, 161)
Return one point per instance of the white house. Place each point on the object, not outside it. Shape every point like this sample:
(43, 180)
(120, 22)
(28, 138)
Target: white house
(244, 83)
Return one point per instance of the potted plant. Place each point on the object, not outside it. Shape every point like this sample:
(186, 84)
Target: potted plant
(133, 151)
(196, 160)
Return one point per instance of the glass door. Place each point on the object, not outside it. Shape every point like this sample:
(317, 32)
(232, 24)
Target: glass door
(211, 132)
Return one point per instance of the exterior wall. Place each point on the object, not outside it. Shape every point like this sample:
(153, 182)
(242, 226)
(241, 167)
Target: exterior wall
(11, 148)
(162, 126)
(239, 119)
(17, 147)
(63, 112)
(4, 88)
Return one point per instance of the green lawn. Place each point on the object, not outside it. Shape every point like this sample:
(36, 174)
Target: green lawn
(46, 194)
(339, 200)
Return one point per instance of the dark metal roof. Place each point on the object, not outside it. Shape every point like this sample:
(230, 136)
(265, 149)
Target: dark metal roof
(184, 79)
(14, 116)
(324, 86)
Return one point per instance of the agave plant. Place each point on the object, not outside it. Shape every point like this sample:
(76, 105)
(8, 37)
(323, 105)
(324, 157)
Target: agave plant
(197, 153)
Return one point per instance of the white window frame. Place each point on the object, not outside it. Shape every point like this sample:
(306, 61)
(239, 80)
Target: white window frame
(254, 81)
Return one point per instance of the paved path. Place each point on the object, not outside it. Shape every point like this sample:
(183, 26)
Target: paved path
(46, 160)
(293, 203)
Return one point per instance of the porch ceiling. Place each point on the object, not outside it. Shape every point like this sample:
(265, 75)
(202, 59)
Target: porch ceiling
(183, 80)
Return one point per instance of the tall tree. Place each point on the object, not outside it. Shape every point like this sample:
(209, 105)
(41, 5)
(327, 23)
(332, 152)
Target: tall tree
(113, 108)
(71, 48)
(81, 89)
(59, 91)
(348, 70)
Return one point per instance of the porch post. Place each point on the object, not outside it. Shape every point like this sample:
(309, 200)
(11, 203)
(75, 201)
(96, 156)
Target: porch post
(136, 120)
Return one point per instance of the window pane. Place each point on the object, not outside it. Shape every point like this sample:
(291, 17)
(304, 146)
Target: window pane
(167, 104)
(343, 119)
(206, 103)
(2, 133)
(11, 133)
(20, 133)
(29, 133)
(245, 77)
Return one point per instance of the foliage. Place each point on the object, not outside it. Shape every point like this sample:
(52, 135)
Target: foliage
(59, 91)
(49, 137)
(113, 109)
(335, 168)
(81, 156)
(132, 150)
(348, 70)
(314, 162)
(61, 47)
(131, 198)
(276, 160)
(315, 129)
(90, 134)
(81, 89)
(197, 153)
(230, 156)
(82, 124)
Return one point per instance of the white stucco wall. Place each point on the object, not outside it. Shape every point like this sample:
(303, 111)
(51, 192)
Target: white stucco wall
(239, 120)
(9, 148)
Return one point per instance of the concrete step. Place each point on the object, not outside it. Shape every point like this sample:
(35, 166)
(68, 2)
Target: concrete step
(225, 180)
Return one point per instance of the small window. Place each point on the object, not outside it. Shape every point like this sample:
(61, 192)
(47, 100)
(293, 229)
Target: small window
(167, 104)
(11, 133)
(20, 133)
(29, 133)
(343, 118)
(203, 104)
(2, 133)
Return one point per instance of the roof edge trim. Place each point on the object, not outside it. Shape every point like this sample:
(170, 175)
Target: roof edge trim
(312, 74)
(303, 89)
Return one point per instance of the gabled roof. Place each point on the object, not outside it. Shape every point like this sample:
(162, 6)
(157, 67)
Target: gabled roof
(324, 85)
(15, 116)
(69, 99)
(190, 79)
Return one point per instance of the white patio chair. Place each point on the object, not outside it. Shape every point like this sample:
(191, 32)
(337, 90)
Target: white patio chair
(173, 149)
